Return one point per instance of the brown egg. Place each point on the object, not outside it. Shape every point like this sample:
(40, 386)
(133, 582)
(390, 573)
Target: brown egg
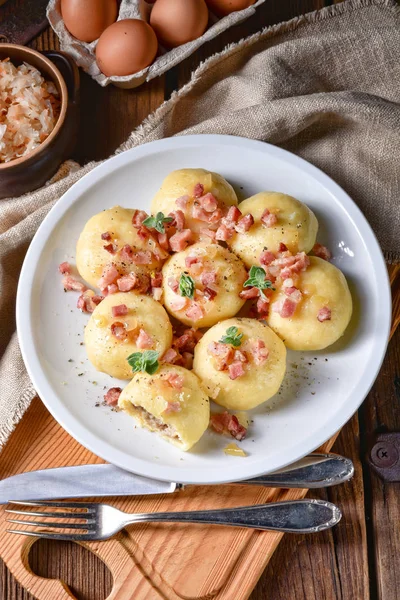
(221, 8)
(126, 47)
(178, 21)
(87, 19)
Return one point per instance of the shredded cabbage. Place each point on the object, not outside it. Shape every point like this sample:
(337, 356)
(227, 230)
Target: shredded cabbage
(29, 109)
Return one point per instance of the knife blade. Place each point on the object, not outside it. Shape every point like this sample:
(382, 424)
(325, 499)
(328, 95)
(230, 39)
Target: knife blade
(85, 481)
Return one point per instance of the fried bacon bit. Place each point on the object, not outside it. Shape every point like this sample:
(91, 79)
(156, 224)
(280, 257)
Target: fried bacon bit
(199, 213)
(112, 289)
(208, 202)
(88, 301)
(266, 257)
(268, 219)
(118, 330)
(172, 407)
(143, 257)
(259, 352)
(179, 303)
(138, 217)
(223, 233)
(188, 340)
(287, 266)
(208, 233)
(251, 292)
(235, 370)
(120, 310)
(180, 240)
(157, 293)
(195, 312)
(322, 251)
(285, 308)
(144, 233)
(163, 242)
(173, 284)
(215, 216)
(112, 396)
(227, 423)
(175, 380)
(111, 248)
(109, 275)
(156, 279)
(282, 247)
(126, 254)
(191, 260)
(240, 356)
(324, 314)
(178, 220)
(208, 277)
(144, 340)
(106, 236)
(232, 216)
(182, 201)
(262, 307)
(72, 284)
(128, 282)
(209, 293)
(65, 268)
(294, 294)
(170, 356)
(244, 224)
(222, 353)
(198, 190)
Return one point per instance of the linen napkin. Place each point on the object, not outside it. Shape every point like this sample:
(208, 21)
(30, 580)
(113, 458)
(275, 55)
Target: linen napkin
(324, 86)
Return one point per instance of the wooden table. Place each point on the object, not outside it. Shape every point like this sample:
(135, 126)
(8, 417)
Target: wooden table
(356, 560)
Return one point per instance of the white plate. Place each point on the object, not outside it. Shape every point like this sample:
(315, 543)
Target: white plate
(321, 390)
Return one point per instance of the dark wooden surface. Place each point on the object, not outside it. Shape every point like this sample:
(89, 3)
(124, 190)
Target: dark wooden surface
(358, 559)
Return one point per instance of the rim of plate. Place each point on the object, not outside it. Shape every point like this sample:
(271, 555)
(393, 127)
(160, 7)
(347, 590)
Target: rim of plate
(139, 466)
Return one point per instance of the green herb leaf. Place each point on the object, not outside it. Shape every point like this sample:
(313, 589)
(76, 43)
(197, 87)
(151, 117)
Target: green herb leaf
(187, 286)
(157, 222)
(257, 279)
(232, 336)
(146, 361)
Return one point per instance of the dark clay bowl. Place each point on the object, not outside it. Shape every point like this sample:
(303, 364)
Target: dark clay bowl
(33, 170)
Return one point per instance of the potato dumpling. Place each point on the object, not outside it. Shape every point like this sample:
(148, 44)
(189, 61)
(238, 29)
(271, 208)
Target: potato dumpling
(289, 221)
(92, 257)
(171, 402)
(190, 187)
(323, 313)
(216, 275)
(124, 323)
(243, 376)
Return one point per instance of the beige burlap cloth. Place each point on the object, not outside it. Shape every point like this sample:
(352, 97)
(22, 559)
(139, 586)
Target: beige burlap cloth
(325, 86)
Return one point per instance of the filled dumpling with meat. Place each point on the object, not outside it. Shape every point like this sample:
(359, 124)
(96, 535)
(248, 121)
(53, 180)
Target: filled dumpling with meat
(278, 218)
(111, 246)
(171, 403)
(201, 197)
(122, 324)
(312, 311)
(241, 363)
(202, 284)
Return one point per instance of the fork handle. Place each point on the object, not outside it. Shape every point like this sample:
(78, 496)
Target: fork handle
(297, 516)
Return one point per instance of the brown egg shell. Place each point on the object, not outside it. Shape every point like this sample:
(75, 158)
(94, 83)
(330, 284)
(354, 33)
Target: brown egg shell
(177, 22)
(221, 8)
(87, 20)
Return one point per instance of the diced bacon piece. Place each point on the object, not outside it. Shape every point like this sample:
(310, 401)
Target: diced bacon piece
(208, 202)
(294, 293)
(223, 354)
(285, 308)
(173, 284)
(106, 236)
(65, 268)
(156, 279)
(259, 352)
(72, 284)
(244, 224)
(198, 190)
(175, 380)
(208, 277)
(240, 356)
(322, 251)
(159, 253)
(170, 356)
(187, 341)
(138, 217)
(120, 310)
(302, 262)
(207, 233)
(236, 370)
(144, 340)
(144, 233)
(227, 423)
(191, 260)
(162, 239)
(142, 257)
(282, 247)
(288, 283)
(251, 292)
(126, 283)
(178, 219)
(109, 275)
(118, 330)
(268, 219)
(195, 312)
(209, 293)
(199, 213)
(157, 293)
(112, 396)
(223, 233)
(112, 289)
(180, 240)
(111, 248)
(215, 216)
(126, 254)
(187, 360)
(179, 303)
(182, 201)
(262, 307)
(173, 407)
(88, 301)
(266, 257)
(232, 216)
(324, 314)
(236, 430)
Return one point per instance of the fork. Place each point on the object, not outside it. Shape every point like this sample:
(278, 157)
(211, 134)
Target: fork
(101, 521)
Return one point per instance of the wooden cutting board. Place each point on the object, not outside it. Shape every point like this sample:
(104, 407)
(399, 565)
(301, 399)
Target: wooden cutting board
(153, 561)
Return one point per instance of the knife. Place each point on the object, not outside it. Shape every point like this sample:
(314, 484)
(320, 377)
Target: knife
(313, 471)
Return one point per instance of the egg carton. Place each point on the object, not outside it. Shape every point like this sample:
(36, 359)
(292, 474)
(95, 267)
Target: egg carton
(84, 53)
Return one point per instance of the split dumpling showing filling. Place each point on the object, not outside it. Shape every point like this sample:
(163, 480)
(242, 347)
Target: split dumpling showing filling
(241, 363)
(202, 284)
(171, 402)
(278, 218)
(201, 195)
(122, 324)
(313, 311)
(110, 248)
